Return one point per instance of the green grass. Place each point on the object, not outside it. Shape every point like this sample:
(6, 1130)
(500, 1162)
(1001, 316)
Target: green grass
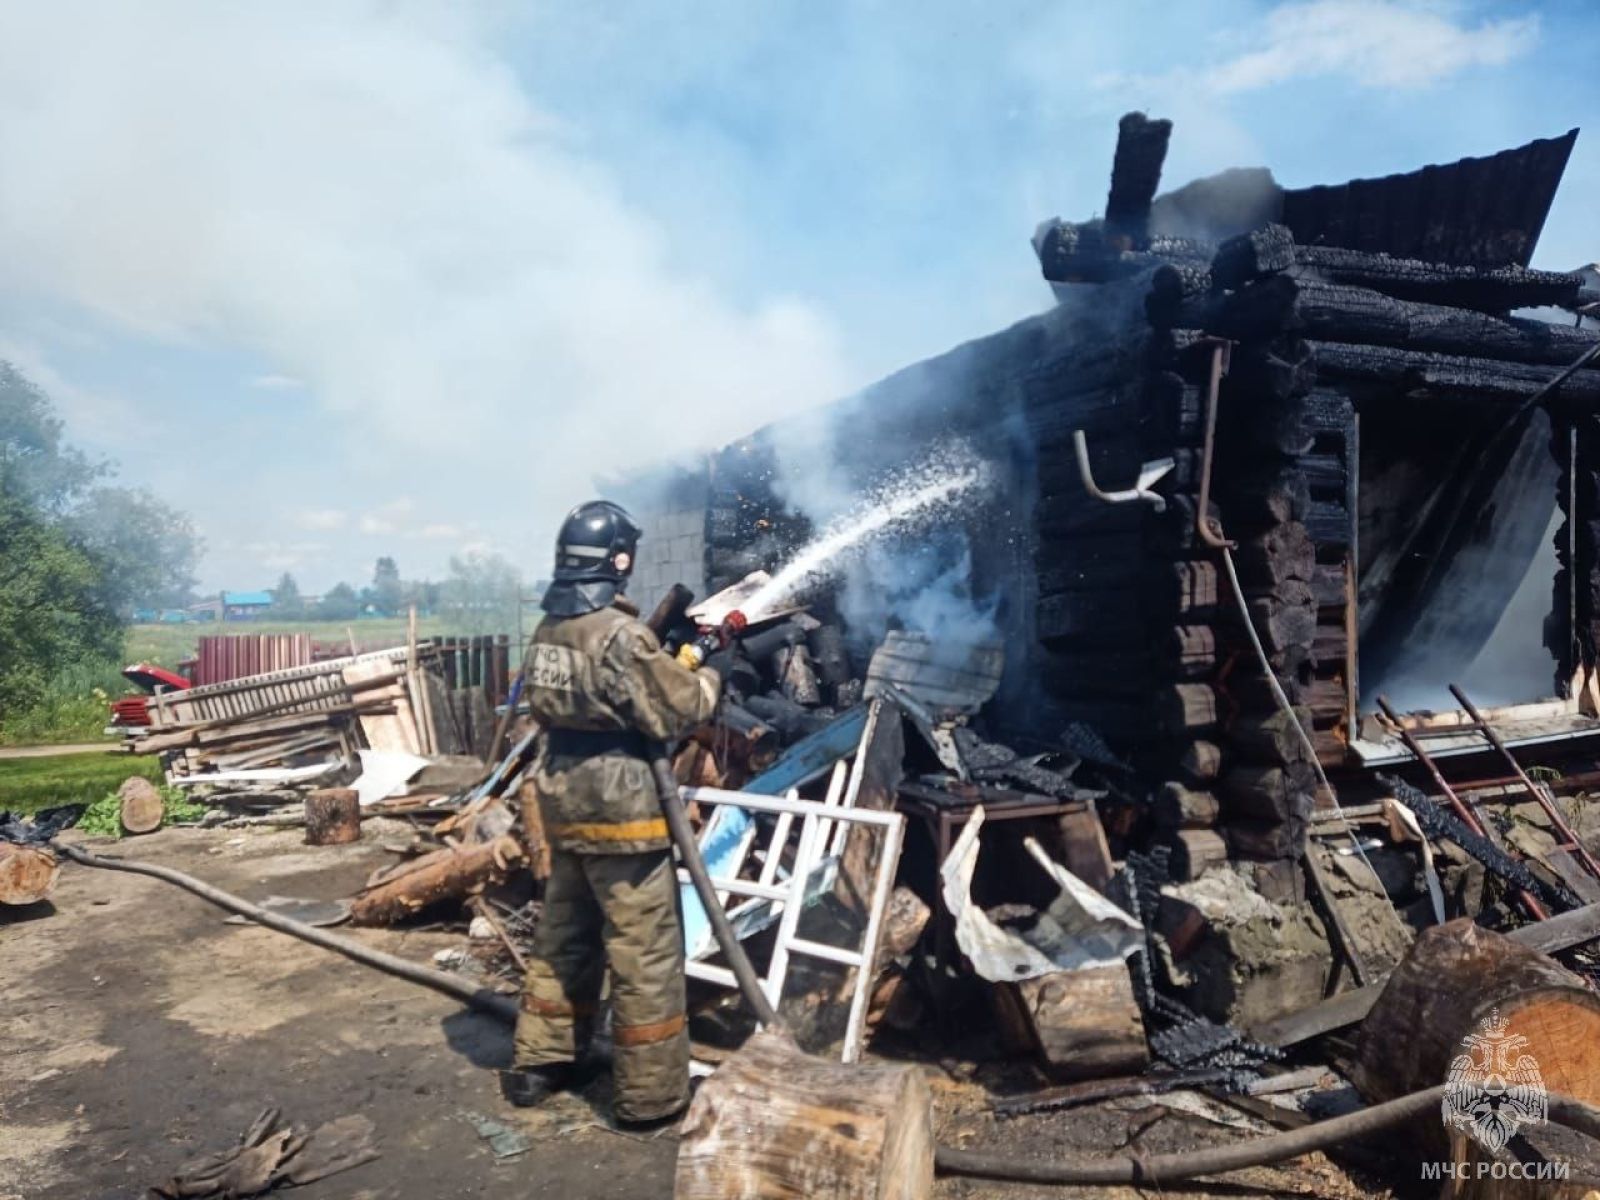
(29, 784)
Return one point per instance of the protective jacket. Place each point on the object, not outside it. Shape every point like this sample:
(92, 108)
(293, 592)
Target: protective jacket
(603, 688)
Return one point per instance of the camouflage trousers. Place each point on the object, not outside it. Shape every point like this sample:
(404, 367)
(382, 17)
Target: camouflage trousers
(621, 911)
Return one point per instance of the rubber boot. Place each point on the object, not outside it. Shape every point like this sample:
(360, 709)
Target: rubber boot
(526, 1087)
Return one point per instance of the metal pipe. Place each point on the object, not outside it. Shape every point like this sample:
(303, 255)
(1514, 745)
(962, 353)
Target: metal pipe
(1149, 473)
(1467, 816)
(1210, 533)
(1544, 801)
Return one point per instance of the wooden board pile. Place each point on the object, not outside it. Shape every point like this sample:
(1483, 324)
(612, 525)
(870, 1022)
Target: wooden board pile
(279, 726)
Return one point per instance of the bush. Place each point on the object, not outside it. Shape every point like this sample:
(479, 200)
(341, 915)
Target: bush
(73, 706)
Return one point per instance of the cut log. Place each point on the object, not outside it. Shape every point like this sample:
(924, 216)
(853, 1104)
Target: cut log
(1200, 761)
(1085, 1024)
(27, 873)
(1192, 649)
(1180, 807)
(1276, 556)
(1193, 850)
(1452, 978)
(772, 1122)
(1187, 706)
(1286, 620)
(534, 842)
(1452, 985)
(1497, 289)
(447, 874)
(1265, 499)
(1334, 312)
(1272, 738)
(1265, 841)
(1195, 588)
(1455, 376)
(1251, 255)
(1135, 174)
(1277, 793)
(140, 808)
(333, 817)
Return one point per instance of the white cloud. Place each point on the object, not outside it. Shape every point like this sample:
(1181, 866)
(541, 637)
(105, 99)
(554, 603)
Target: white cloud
(322, 518)
(1386, 44)
(441, 530)
(363, 197)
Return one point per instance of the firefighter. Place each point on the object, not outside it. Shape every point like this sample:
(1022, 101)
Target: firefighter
(603, 689)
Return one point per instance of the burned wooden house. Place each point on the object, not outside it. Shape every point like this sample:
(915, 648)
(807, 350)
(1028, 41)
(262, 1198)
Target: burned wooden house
(1273, 453)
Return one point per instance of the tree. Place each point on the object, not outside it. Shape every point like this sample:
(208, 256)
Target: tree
(53, 614)
(386, 595)
(286, 599)
(481, 594)
(35, 463)
(146, 549)
(339, 603)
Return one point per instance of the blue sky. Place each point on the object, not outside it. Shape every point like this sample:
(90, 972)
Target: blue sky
(361, 279)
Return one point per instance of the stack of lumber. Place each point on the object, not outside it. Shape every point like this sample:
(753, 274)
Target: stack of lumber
(302, 716)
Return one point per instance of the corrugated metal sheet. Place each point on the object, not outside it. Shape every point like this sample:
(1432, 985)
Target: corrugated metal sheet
(226, 656)
(1483, 212)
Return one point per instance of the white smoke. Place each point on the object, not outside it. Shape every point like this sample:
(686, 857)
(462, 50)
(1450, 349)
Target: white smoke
(363, 197)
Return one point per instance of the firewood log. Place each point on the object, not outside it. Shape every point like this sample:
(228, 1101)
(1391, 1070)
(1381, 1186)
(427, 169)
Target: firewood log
(774, 1122)
(140, 807)
(1085, 1024)
(27, 873)
(448, 874)
(1454, 978)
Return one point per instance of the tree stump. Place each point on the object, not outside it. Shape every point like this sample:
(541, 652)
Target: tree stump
(333, 817)
(27, 873)
(141, 807)
(773, 1122)
(1456, 977)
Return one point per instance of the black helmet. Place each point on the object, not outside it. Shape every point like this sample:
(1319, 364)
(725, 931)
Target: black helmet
(597, 542)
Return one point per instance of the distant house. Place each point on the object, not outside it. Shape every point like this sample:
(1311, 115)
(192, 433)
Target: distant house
(245, 606)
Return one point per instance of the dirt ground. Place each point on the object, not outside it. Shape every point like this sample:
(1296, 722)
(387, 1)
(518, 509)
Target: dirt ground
(140, 1031)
